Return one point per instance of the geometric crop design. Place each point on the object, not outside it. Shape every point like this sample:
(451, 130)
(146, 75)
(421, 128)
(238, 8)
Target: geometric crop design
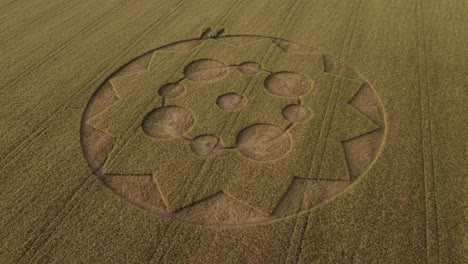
(232, 130)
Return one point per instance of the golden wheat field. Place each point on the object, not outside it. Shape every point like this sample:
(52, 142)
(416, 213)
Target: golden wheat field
(233, 131)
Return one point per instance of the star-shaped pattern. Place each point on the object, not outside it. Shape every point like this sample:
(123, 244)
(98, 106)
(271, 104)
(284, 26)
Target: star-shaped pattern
(309, 149)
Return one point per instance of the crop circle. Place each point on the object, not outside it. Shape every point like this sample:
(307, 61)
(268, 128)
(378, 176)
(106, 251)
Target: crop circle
(205, 70)
(263, 142)
(167, 122)
(274, 120)
(206, 145)
(230, 101)
(296, 113)
(287, 84)
(171, 90)
(250, 68)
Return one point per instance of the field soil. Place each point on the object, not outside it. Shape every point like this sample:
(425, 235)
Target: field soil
(233, 131)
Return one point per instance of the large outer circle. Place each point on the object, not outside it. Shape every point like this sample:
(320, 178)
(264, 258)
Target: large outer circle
(95, 152)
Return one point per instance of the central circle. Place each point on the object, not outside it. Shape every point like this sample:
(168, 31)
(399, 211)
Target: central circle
(263, 142)
(230, 102)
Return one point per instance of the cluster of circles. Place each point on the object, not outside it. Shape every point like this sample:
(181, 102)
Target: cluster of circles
(260, 142)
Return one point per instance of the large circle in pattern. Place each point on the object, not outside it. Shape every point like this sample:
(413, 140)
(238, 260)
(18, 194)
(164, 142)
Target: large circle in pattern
(263, 142)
